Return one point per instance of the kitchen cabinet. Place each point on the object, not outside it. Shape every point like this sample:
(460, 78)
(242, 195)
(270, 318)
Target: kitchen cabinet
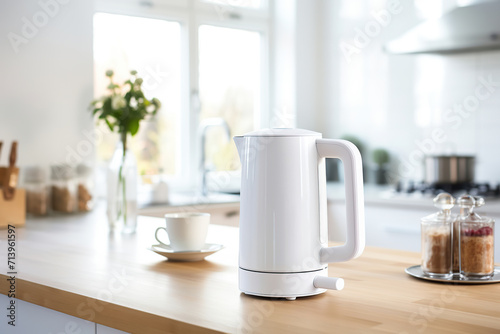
(385, 226)
(100, 329)
(31, 318)
(395, 228)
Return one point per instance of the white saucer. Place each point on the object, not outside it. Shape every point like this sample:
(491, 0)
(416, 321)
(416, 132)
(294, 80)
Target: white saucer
(188, 256)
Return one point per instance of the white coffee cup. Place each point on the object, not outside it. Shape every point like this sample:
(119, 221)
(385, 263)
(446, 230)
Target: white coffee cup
(186, 231)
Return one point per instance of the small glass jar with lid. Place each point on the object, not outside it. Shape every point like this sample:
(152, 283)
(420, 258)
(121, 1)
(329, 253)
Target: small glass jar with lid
(436, 239)
(476, 241)
(37, 190)
(63, 188)
(466, 203)
(85, 188)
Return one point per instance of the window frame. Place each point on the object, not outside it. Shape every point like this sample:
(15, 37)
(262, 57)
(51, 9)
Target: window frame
(191, 14)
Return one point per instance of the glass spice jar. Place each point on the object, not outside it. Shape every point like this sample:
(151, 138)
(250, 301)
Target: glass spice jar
(37, 191)
(63, 188)
(476, 242)
(436, 239)
(466, 204)
(85, 188)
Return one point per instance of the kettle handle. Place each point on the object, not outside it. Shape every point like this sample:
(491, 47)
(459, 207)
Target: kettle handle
(353, 175)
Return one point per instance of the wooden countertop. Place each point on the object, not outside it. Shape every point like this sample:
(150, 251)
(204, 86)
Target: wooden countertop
(71, 264)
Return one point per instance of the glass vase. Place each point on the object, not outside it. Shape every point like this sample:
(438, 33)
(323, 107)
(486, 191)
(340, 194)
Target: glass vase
(122, 191)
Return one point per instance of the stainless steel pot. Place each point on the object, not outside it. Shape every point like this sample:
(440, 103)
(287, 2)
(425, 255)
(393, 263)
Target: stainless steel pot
(449, 169)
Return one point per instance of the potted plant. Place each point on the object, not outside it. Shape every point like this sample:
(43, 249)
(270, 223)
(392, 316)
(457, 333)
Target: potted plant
(334, 167)
(381, 157)
(122, 110)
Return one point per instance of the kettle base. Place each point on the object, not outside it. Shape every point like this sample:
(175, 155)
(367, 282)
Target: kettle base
(280, 285)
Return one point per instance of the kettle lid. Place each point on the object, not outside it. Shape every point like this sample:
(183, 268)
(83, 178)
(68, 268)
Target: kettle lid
(282, 132)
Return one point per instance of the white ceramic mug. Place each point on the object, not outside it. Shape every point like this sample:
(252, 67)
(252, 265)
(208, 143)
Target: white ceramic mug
(186, 231)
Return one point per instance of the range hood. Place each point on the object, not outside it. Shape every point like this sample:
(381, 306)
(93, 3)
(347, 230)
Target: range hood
(475, 27)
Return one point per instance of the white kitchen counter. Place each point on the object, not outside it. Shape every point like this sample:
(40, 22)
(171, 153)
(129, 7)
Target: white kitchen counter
(386, 196)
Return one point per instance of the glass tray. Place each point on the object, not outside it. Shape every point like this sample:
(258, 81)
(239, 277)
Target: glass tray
(416, 271)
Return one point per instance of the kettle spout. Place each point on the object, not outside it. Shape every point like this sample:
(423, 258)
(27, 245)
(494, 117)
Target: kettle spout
(240, 145)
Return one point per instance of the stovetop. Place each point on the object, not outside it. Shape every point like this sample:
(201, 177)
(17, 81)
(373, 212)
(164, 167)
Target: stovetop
(485, 189)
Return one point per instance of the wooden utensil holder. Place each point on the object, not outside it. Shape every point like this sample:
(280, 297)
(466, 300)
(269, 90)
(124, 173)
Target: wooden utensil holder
(12, 199)
(13, 211)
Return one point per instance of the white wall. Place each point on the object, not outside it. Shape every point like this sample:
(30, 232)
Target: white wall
(282, 64)
(308, 63)
(396, 101)
(46, 85)
(296, 64)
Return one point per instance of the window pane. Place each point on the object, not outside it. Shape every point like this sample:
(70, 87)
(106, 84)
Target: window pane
(152, 48)
(237, 3)
(229, 82)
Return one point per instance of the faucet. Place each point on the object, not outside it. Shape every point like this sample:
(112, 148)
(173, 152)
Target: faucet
(202, 131)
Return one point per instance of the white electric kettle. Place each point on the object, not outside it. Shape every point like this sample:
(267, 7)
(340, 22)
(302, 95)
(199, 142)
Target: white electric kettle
(283, 217)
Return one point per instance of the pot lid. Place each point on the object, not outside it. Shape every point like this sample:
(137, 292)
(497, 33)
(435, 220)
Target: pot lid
(282, 132)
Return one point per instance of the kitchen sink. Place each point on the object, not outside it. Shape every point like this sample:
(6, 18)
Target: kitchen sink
(196, 199)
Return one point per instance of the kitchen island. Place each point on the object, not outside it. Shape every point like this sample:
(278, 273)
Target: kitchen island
(72, 265)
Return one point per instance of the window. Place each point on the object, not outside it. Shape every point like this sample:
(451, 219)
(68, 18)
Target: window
(201, 59)
(229, 82)
(152, 48)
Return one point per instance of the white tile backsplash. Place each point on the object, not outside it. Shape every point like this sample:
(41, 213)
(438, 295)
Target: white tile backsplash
(395, 101)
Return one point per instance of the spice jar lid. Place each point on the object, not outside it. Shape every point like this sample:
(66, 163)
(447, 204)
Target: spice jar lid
(445, 202)
(34, 174)
(62, 172)
(83, 170)
(467, 203)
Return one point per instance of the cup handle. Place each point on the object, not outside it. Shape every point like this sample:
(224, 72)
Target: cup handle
(156, 235)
